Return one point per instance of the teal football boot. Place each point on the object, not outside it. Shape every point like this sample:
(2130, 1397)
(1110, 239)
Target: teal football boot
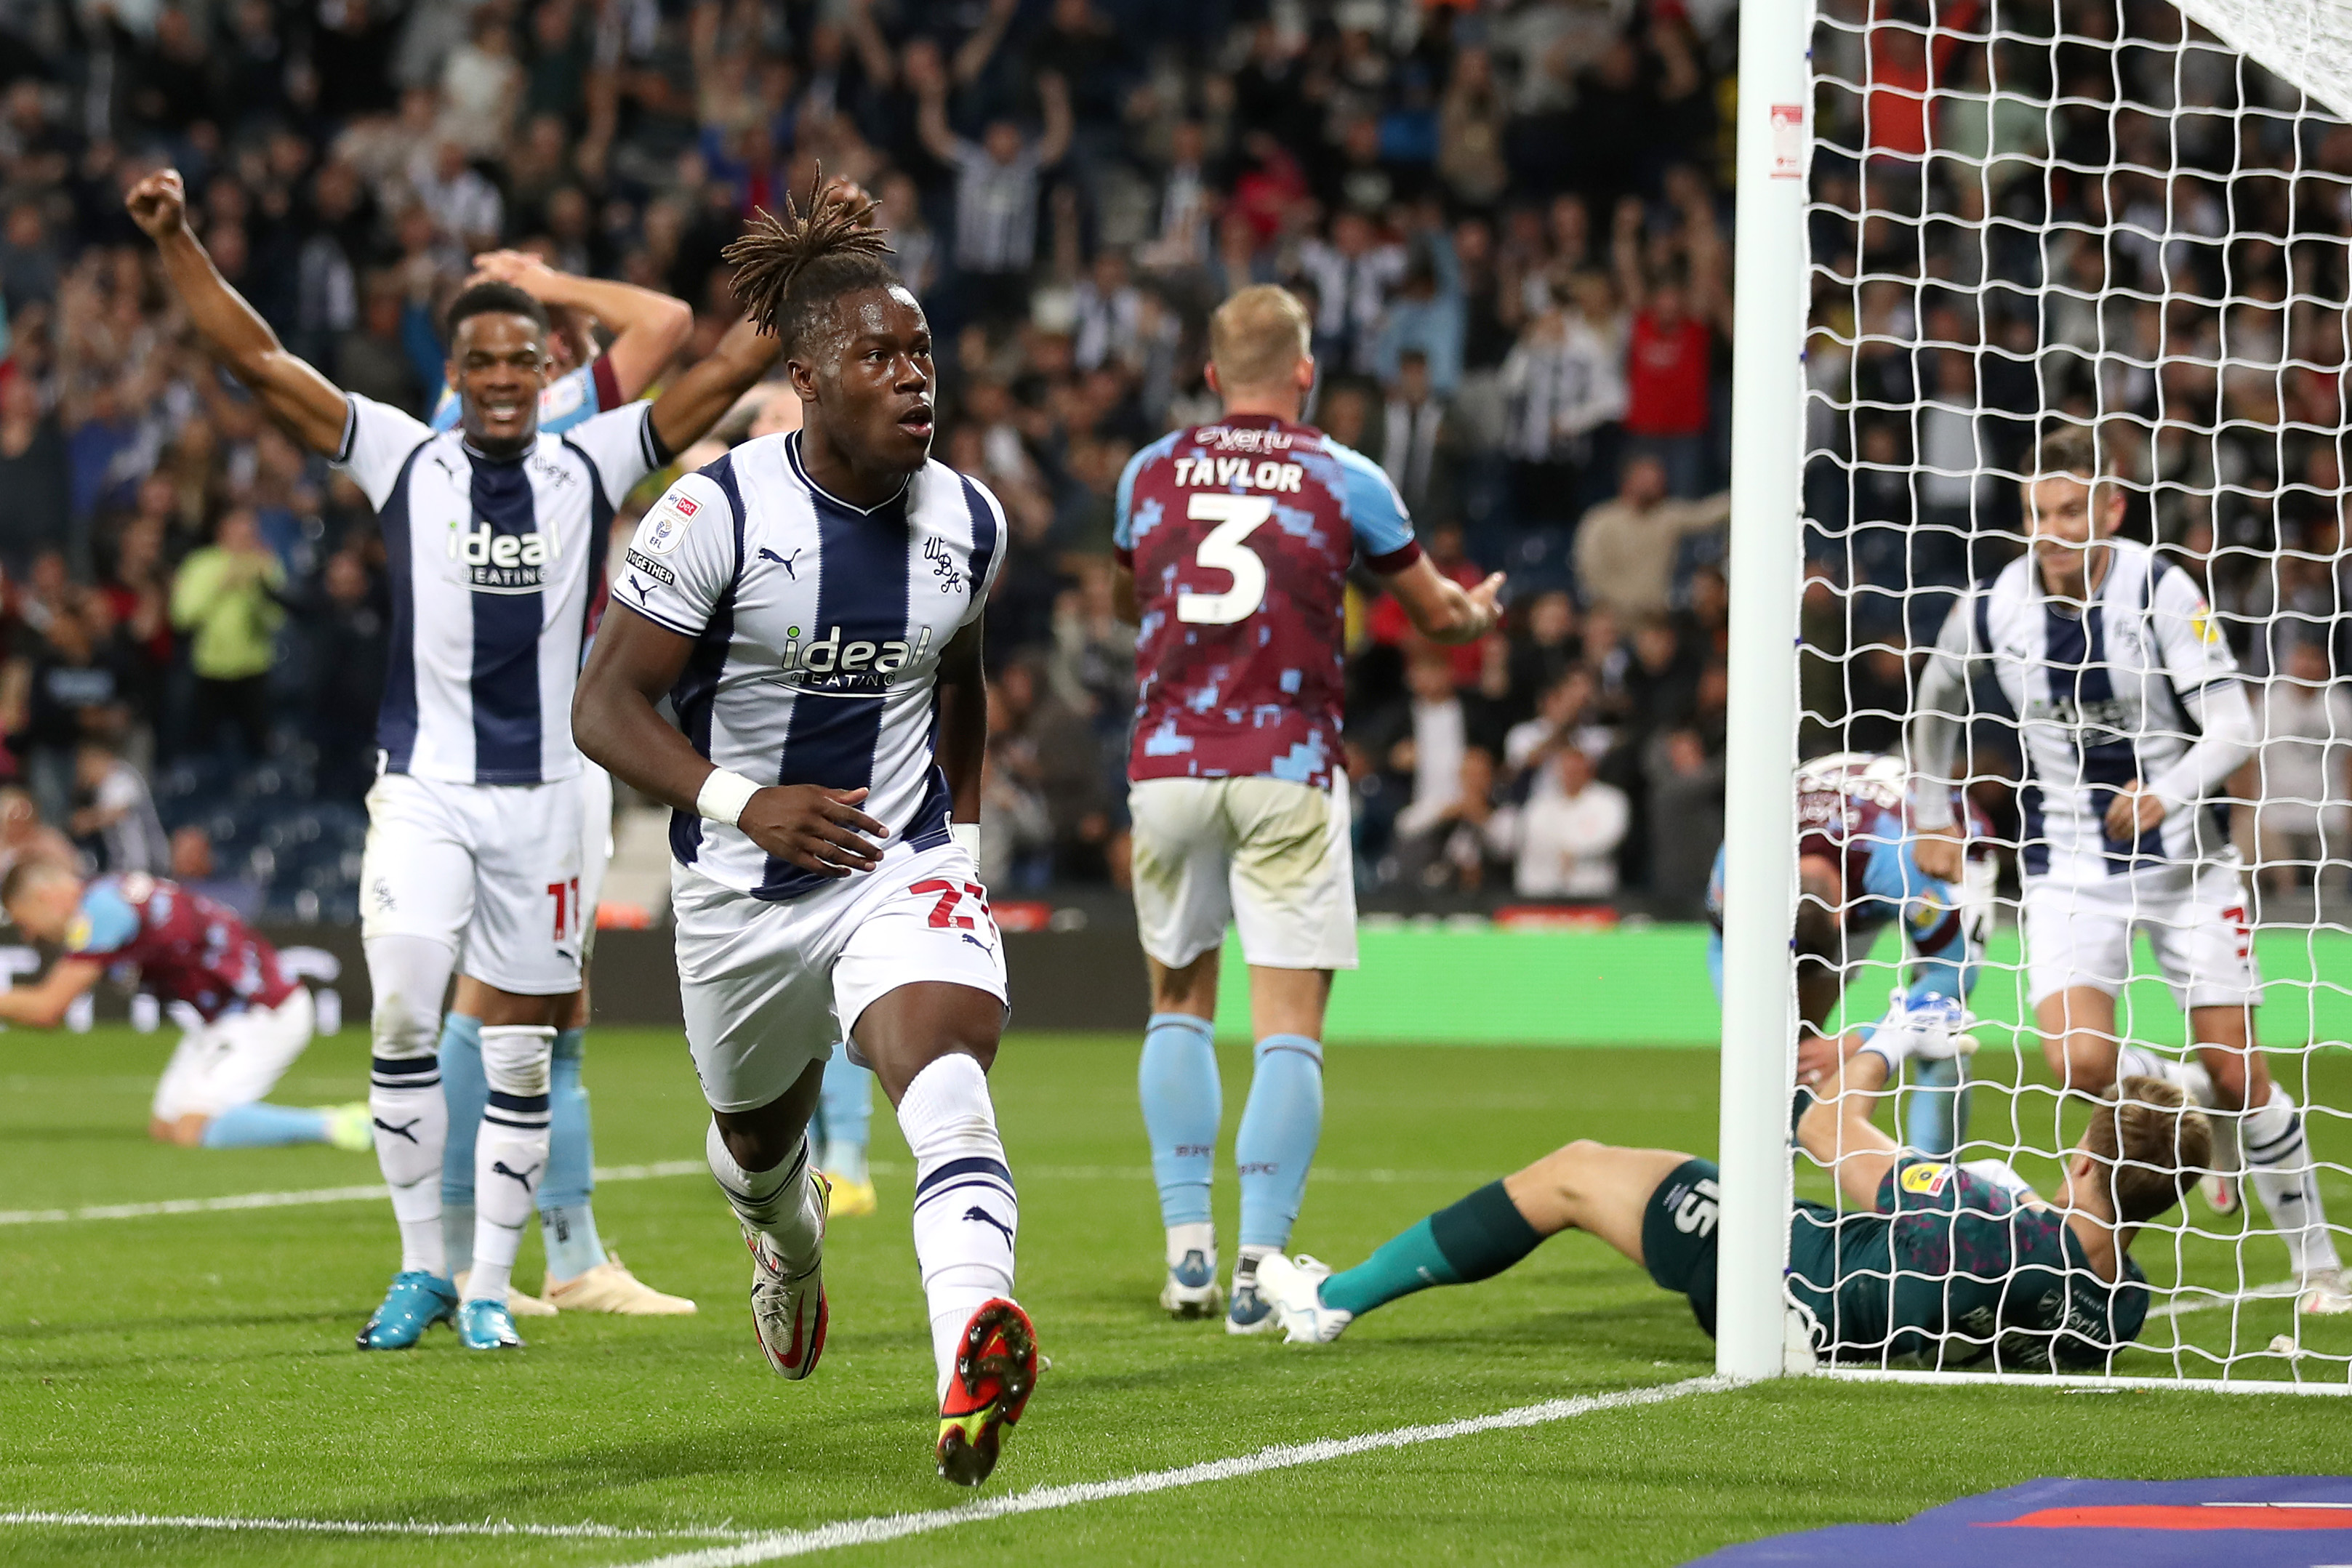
(486, 1324)
(415, 1302)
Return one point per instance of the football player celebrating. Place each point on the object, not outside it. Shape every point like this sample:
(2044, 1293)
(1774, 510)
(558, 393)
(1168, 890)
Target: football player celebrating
(648, 329)
(1235, 541)
(495, 533)
(810, 603)
(1857, 876)
(252, 1020)
(2131, 715)
(1953, 1264)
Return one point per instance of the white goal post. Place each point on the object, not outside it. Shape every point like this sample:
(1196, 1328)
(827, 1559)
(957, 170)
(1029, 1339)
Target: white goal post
(2197, 290)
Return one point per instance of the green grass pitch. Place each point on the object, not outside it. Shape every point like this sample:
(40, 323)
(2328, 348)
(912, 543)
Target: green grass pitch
(202, 1365)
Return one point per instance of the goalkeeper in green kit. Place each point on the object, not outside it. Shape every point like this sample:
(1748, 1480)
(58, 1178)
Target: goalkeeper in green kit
(1951, 1264)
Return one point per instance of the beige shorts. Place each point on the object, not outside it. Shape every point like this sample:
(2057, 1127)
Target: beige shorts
(1267, 855)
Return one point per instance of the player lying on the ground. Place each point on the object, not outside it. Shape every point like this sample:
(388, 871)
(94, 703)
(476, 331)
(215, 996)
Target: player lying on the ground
(495, 533)
(2133, 717)
(812, 604)
(1239, 802)
(1856, 875)
(254, 1021)
(1948, 1263)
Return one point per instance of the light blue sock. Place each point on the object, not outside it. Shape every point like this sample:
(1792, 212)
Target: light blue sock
(467, 1092)
(845, 1110)
(1182, 1104)
(1280, 1127)
(261, 1126)
(1937, 1120)
(567, 1225)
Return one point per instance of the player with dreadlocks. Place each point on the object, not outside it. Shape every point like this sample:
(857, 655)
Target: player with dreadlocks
(810, 603)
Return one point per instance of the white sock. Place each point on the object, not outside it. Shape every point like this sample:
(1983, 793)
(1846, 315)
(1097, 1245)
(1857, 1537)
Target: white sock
(2280, 1169)
(412, 1127)
(966, 1212)
(780, 1204)
(510, 1153)
(1199, 1235)
(407, 976)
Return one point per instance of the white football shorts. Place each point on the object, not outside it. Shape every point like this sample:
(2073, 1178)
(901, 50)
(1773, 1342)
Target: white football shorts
(235, 1060)
(1271, 856)
(770, 986)
(2080, 933)
(595, 847)
(491, 870)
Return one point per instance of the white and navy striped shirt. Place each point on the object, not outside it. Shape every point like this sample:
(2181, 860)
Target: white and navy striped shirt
(818, 628)
(497, 566)
(2102, 697)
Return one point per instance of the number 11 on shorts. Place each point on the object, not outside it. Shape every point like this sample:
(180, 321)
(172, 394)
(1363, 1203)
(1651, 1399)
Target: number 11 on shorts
(568, 913)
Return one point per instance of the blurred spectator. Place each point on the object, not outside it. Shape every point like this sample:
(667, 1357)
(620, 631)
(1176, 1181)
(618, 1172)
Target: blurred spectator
(1685, 819)
(2303, 815)
(1059, 752)
(1670, 347)
(1566, 384)
(1432, 735)
(1448, 850)
(226, 599)
(350, 632)
(1563, 841)
(1415, 440)
(194, 868)
(998, 179)
(116, 819)
(33, 476)
(1626, 549)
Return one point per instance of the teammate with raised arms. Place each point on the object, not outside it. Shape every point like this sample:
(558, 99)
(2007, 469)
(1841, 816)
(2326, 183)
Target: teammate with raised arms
(1235, 541)
(2130, 717)
(810, 603)
(495, 533)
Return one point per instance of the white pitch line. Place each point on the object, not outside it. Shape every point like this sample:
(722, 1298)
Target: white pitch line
(2182, 1305)
(356, 1526)
(1281, 1457)
(232, 1202)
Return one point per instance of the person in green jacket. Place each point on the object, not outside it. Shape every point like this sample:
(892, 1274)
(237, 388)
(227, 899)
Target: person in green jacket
(225, 599)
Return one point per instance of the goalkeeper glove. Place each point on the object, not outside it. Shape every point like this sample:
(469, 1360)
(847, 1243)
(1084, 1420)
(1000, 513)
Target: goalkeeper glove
(1934, 1030)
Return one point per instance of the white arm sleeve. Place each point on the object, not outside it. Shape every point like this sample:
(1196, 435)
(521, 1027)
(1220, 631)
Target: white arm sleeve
(377, 440)
(621, 445)
(682, 561)
(2204, 675)
(1939, 713)
(2227, 721)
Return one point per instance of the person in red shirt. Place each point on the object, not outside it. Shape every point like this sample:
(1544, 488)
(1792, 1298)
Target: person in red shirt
(1670, 347)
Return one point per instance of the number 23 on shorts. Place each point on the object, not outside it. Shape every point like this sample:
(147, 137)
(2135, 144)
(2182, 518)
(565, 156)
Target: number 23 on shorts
(944, 914)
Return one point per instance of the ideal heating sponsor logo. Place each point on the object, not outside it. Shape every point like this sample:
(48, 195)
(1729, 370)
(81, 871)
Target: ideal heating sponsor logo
(494, 563)
(827, 665)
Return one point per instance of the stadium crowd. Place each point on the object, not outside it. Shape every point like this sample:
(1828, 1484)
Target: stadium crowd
(2148, 239)
(1509, 222)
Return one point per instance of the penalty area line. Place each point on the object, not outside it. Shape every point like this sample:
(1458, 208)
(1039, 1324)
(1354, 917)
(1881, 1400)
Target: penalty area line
(355, 1526)
(1280, 1457)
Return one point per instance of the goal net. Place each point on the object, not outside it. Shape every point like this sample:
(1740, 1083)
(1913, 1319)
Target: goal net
(2128, 219)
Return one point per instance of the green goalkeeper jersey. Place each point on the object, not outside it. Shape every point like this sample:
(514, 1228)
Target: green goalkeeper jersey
(1953, 1269)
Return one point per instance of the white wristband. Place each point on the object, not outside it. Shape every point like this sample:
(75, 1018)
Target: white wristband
(724, 795)
(968, 835)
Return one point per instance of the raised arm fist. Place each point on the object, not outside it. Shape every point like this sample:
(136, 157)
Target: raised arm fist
(158, 203)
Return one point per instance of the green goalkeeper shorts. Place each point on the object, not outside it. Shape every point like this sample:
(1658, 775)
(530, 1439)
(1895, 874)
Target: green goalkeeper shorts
(1678, 1237)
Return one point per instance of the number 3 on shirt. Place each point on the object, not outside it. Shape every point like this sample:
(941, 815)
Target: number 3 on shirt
(1236, 517)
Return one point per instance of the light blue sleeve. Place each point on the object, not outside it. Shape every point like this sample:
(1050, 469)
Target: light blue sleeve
(445, 413)
(1375, 511)
(1927, 904)
(1122, 529)
(108, 922)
